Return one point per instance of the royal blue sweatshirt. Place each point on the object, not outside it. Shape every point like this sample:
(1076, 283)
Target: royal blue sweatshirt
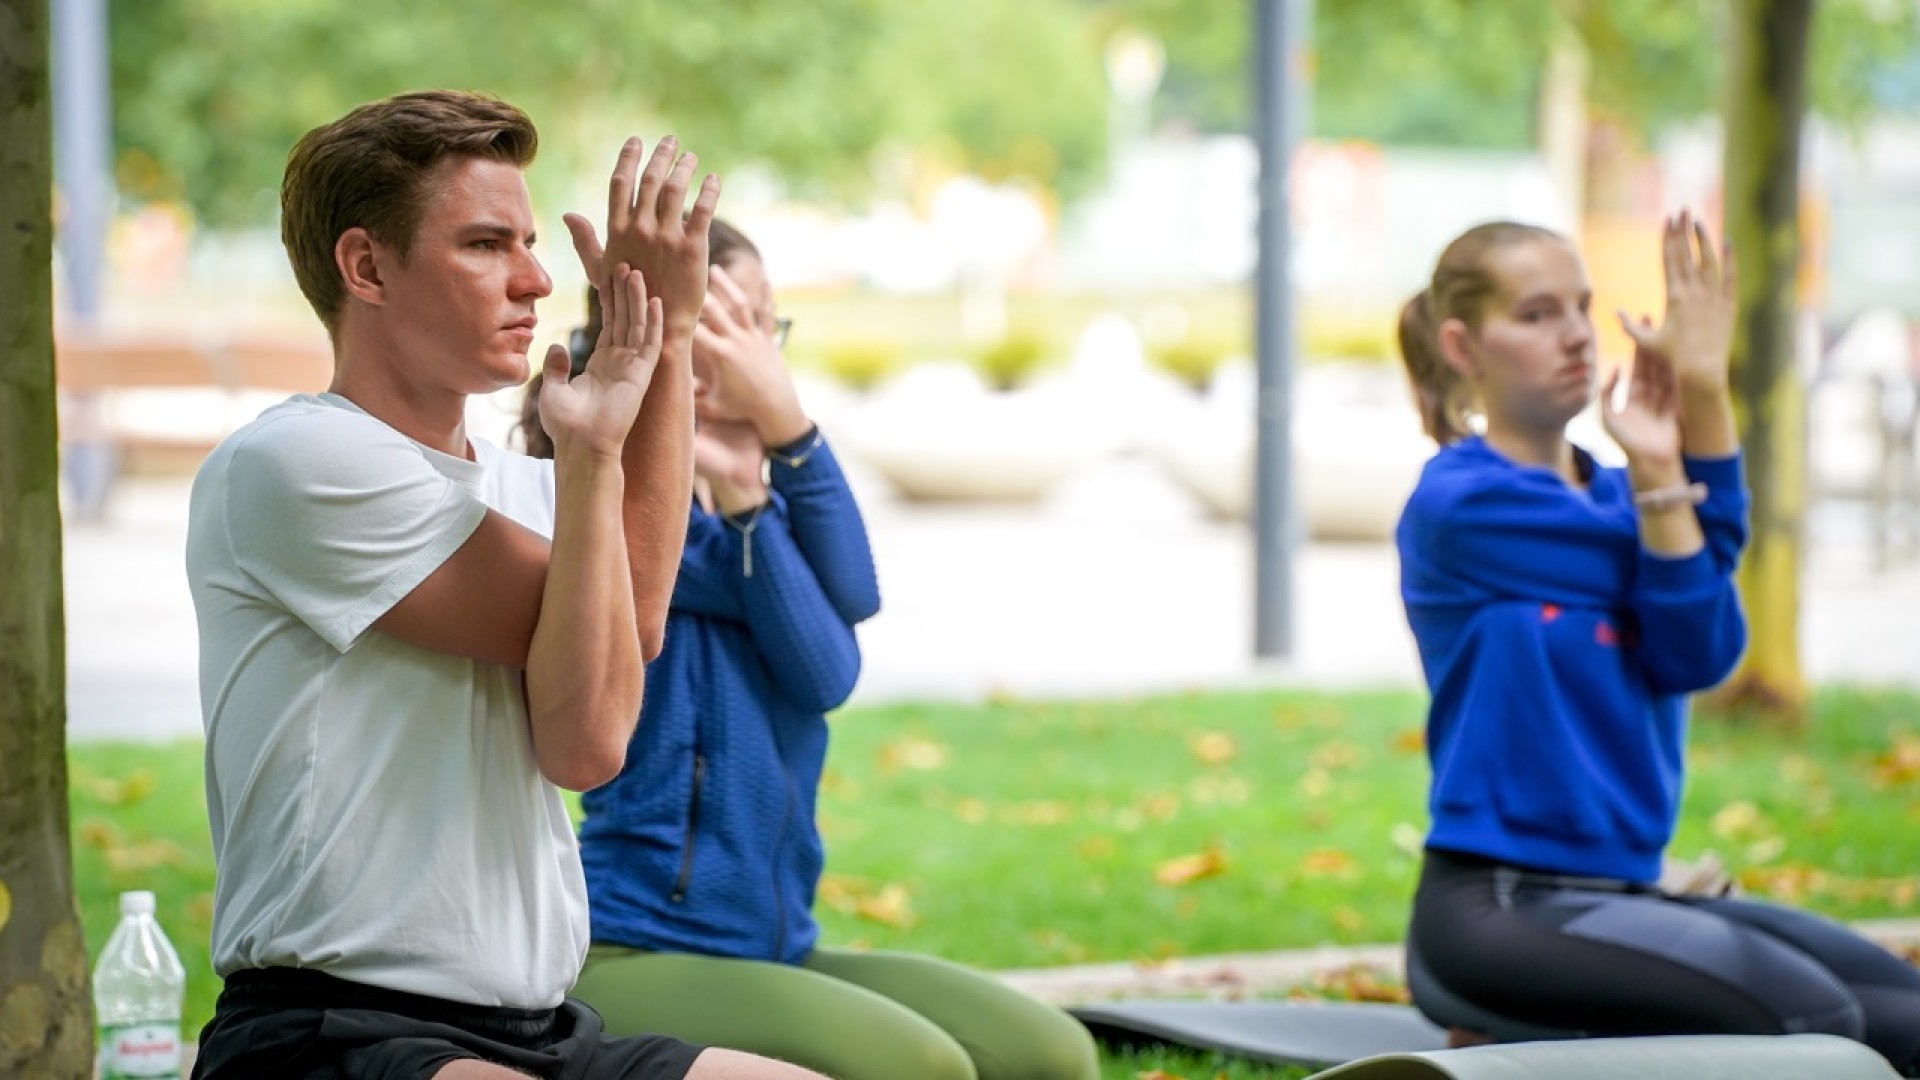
(1559, 654)
(706, 841)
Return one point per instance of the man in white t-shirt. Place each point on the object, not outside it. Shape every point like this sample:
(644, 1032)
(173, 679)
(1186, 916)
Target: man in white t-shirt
(395, 672)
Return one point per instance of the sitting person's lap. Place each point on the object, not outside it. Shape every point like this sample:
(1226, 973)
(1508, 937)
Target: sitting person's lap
(1640, 962)
(853, 1015)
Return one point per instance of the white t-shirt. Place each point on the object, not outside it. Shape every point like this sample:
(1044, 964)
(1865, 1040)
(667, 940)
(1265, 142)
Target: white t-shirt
(377, 812)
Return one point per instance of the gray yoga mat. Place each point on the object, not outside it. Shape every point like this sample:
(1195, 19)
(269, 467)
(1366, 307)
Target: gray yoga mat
(1668, 1057)
(1311, 1033)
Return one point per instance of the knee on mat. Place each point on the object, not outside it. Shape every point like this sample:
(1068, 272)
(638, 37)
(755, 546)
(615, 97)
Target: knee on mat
(1061, 1049)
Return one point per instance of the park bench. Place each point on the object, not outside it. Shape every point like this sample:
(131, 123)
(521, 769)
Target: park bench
(165, 401)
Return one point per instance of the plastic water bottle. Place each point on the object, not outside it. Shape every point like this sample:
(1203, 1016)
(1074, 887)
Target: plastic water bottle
(137, 990)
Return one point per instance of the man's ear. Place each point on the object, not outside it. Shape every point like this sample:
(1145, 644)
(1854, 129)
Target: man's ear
(1455, 339)
(357, 256)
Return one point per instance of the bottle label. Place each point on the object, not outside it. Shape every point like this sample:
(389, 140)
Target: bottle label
(147, 1051)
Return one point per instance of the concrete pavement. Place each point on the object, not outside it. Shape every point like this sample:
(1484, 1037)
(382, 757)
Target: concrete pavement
(1118, 583)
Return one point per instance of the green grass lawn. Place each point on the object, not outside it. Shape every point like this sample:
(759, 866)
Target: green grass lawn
(1027, 834)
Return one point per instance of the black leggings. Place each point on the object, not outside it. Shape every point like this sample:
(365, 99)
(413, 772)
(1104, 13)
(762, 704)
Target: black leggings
(1628, 960)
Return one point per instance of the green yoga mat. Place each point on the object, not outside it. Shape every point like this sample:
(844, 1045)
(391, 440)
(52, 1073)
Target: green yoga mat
(1669, 1057)
(1311, 1033)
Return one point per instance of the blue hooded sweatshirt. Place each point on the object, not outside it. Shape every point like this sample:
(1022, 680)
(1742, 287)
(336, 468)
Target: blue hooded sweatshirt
(1559, 653)
(706, 842)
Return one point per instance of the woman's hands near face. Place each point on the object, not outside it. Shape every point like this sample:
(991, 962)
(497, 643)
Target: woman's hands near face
(729, 456)
(745, 379)
(1696, 336)
(1646, 423)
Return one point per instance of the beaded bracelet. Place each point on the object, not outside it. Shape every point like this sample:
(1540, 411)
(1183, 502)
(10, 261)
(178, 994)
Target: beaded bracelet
(1667, 498)
(812, 441)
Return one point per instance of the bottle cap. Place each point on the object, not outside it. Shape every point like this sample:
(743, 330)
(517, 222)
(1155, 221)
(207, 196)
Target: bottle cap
(136, 903)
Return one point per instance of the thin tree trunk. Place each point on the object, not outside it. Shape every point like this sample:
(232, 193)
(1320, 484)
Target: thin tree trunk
(46, 1014)
(1766, 98)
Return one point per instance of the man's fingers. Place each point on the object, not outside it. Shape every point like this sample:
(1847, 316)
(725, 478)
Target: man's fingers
(555, 365)
(586, 244)
(654, 175)
(673, 194)
(620, 190)
(650, 342)
(704, 206)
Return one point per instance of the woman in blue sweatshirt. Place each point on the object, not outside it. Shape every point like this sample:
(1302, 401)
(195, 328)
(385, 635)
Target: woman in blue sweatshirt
(1563, 612)
(702, 856)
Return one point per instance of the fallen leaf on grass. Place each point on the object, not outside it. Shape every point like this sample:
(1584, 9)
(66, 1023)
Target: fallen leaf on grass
(1337, 755)
(1157, 1074)
(114, 792)
(1213, 747)
(143, 856)
(1409, 741)
(970, 810)
(889, 904)
(1045, 812)
(1736, 819)
(1898, 764)
(1315, 783)
(1360, 982)
(1328, 862)
(1187, 869)
(1161, 807)
(912, 752)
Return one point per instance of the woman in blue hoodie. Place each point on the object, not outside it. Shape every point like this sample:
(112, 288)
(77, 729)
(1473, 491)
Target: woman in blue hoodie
(1563, 612)
(702, 856)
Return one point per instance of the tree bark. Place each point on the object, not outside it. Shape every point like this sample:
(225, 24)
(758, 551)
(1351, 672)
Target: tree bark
(46, 1013)
(1766, 98)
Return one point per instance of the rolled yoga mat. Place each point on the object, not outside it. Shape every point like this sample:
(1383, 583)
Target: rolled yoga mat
(1665, 1057)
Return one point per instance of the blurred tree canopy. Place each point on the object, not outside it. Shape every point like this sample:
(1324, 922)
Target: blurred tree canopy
(209, 95)
(1468, 72)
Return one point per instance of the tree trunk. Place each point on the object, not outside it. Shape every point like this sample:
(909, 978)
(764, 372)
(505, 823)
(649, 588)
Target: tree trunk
(1766, 98)
(46, 1014)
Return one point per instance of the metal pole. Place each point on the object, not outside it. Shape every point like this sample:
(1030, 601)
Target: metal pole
(82, 145)
(1279, 82)
(82, 148)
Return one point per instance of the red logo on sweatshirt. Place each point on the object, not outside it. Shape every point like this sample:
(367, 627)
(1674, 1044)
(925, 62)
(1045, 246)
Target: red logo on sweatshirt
(1549, 612)
(1604, 635)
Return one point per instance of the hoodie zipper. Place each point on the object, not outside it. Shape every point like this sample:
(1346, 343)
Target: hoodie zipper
(779, 893)
(693, 823)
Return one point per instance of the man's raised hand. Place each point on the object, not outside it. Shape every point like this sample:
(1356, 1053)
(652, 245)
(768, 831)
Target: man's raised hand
(594, 411)
(649, 229)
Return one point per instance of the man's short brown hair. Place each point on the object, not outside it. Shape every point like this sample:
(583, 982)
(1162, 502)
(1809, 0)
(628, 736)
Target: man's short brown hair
(369, 169)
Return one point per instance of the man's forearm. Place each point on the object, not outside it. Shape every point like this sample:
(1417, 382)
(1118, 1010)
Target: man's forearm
(658, 465)
(584, 668)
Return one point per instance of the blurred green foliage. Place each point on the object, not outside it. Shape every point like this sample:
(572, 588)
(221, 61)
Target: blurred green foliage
(1195, 358)
(835, 98)
(862, 364)
(1467, 72)
(209, 95)
(1013, 360)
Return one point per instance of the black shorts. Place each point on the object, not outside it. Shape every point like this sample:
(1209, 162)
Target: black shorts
(299, 1024)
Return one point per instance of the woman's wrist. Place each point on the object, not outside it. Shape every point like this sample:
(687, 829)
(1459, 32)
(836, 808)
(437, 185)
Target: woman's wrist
(1655, 472)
